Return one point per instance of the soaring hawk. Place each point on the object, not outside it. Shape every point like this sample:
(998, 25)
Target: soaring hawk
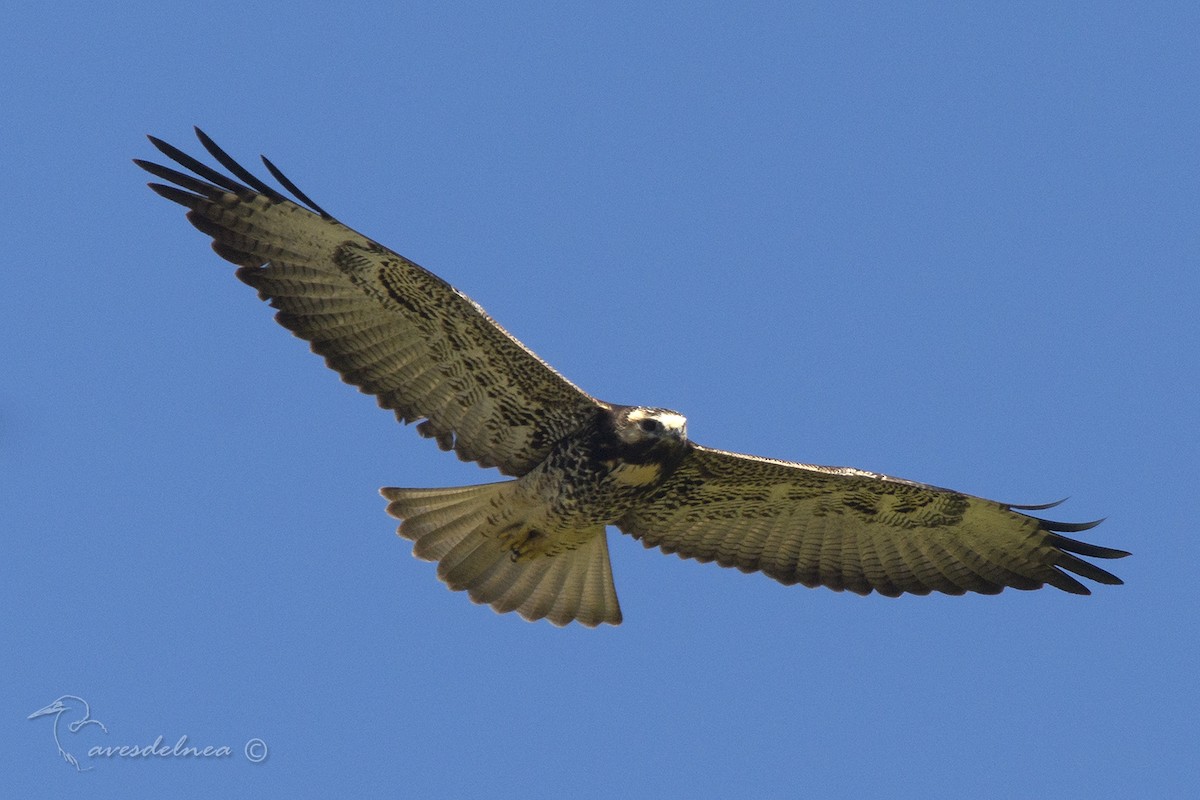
(537, 544)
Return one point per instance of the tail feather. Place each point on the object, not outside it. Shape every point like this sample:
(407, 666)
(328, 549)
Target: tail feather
(566, 601)
(469, 561)
(543, 592)
(452, 526)
(442, 541)
(515, 585)
(443, 517)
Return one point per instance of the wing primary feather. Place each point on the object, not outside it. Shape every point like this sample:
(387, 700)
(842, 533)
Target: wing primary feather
(1068, 527)
(201, 169)
(239, 257)
(1086, 569)
(1041, 507)
(218, 232)
(180, 179)
(291, 187)
(1061, 580)
(237, 169)
(1085, 549)
(175, 195)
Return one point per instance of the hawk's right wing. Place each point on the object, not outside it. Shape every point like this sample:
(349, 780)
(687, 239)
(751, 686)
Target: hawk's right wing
(393, 329)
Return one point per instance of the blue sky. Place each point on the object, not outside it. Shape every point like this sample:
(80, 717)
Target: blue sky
(955, 245)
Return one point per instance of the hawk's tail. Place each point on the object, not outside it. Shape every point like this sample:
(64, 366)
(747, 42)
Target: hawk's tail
(452, 527)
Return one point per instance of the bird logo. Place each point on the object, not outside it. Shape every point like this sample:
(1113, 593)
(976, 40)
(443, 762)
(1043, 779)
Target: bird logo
(80, 713)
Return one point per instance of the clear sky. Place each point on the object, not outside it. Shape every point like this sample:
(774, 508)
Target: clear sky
(955, 245)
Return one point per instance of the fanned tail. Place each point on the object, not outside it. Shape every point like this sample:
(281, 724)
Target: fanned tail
(455, 527)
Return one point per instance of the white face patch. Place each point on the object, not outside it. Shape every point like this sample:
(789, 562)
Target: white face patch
(653, 423)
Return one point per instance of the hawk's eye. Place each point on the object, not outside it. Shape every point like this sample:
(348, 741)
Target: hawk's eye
(650, 425)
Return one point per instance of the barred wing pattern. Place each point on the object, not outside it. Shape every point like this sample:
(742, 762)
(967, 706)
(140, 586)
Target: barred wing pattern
(849, 529)
(389, 327)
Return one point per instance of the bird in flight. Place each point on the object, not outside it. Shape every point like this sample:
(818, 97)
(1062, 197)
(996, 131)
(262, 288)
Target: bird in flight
(537, 544)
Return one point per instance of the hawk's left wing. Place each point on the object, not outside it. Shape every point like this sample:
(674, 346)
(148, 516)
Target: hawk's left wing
(849, 529)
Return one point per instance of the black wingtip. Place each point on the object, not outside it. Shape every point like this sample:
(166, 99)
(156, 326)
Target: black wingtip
(1086, 569)
(1070, 549)
(219, 181)
(1041, 507)
(291, 187)
(1068, 527)
(174, 194)
(169, 150)
(199, 168)
(240, 172)
(1061, 580)
(1085, 549)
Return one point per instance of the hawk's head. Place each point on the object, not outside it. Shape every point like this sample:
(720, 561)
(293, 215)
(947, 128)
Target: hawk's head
(652, 441)
(641, 426)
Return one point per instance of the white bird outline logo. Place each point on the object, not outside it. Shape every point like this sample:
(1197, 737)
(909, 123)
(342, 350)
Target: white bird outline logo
(57, 709)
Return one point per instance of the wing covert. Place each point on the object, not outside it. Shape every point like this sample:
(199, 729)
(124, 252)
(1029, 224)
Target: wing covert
(849, 529)
(388, 326)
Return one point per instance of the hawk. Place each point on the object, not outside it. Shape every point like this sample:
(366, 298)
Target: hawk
(537, 544)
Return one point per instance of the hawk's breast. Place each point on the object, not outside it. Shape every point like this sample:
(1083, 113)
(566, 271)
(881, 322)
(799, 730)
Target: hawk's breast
(624, 473)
